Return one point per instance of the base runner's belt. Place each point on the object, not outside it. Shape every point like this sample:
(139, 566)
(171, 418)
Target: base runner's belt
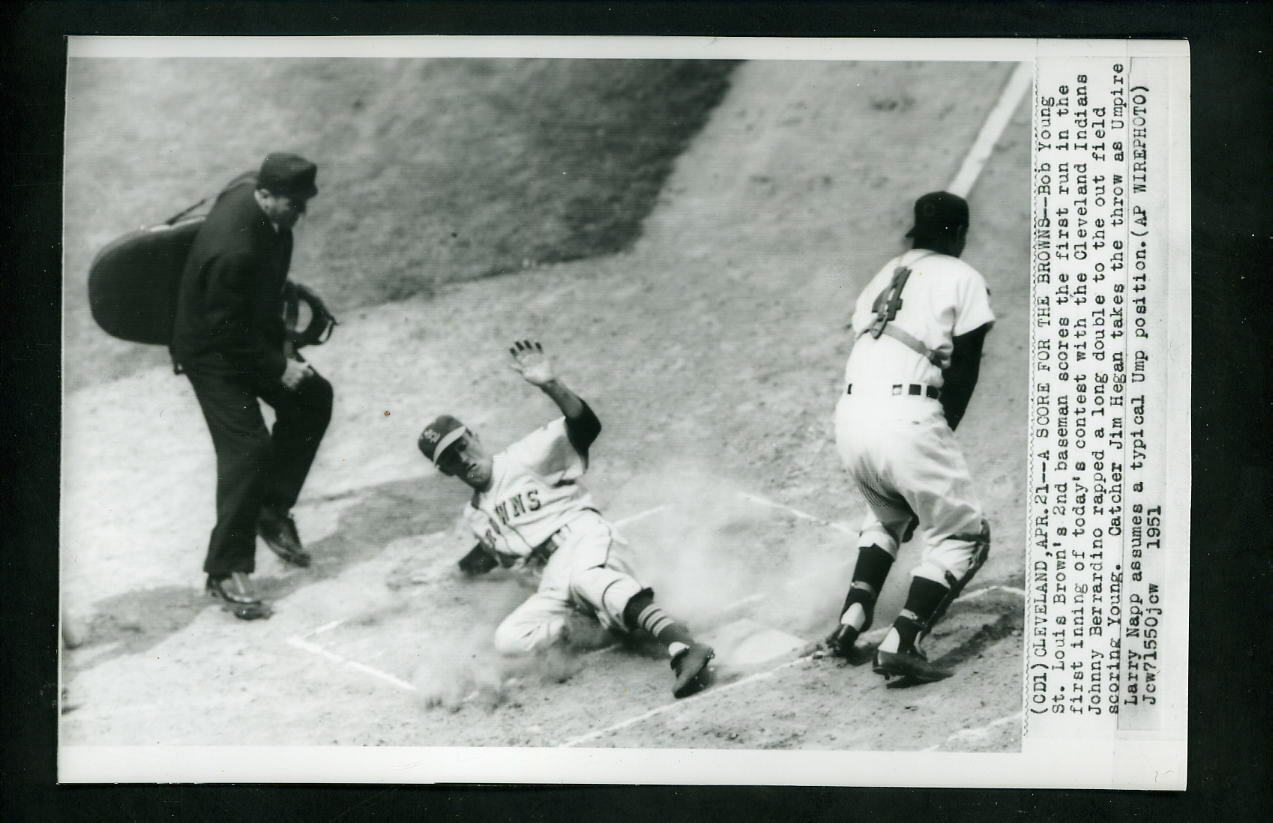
(908, 389)
(548, 548)
(554, 541)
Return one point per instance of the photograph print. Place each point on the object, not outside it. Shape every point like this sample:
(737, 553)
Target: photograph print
(544, 402)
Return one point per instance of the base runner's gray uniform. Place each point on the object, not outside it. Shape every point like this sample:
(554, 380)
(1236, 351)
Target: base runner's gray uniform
(534, 509)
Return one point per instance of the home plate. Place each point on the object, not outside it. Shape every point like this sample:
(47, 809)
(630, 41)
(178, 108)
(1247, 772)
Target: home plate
(745, 644)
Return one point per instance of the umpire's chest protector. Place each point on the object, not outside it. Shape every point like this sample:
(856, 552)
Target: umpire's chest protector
(133, 281)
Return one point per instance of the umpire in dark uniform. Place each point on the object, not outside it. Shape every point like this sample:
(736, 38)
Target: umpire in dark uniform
(231, 342)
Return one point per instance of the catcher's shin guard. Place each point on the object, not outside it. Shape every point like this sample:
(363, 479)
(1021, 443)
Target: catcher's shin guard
(858, 612)
(981, 550)
(840, 643)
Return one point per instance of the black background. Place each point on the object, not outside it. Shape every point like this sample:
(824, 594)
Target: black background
(1231, 714)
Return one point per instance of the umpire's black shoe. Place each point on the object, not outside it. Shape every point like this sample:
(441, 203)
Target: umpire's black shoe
(278, 530)
(692, 672)
(910, 665)
(239, 595)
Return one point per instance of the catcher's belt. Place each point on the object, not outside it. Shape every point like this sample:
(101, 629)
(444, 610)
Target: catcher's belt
(906, 390)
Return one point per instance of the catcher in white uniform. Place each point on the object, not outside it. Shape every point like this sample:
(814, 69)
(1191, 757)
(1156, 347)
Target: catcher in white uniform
(529, 510)
(920, 324)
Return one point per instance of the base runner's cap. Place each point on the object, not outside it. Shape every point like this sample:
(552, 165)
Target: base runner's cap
(438, 436)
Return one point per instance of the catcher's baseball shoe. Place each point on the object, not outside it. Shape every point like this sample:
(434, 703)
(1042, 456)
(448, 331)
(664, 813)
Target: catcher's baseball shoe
(692, 671)
(239, 596)
(278, 530)
(912, 666)
(841, 643)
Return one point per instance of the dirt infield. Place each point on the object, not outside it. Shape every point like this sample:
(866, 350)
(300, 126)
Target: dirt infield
(712, 351)
(431, 171)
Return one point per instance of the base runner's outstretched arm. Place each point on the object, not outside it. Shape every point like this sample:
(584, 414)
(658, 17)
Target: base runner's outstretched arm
(535, 367)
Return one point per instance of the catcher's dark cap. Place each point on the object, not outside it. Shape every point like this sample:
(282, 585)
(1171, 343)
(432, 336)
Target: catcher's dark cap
(289, 175)
(939, 212)
(438, 436)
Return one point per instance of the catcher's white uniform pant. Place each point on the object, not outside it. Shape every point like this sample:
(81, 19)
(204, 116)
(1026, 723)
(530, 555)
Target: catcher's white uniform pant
(911, 471)
(589, 572)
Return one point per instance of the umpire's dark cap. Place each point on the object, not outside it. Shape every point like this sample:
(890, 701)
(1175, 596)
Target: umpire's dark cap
(439, 436)
(289, 175)
(939, 212)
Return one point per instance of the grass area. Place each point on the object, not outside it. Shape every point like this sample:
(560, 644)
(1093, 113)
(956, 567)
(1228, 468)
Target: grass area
(430, 171)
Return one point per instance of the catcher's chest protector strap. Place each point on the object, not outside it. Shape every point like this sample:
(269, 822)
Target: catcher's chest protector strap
(913, 343)
(886, 307)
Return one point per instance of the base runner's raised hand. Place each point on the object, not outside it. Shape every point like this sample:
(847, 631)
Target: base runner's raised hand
(531, 363)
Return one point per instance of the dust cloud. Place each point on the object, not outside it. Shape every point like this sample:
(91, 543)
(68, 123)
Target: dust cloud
(716, 552)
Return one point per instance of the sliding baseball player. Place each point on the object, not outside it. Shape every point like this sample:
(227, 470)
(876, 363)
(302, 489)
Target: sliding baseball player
(529, 510)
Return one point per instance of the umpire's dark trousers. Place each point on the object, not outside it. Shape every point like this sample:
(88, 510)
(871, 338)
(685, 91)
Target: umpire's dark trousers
(257, 467)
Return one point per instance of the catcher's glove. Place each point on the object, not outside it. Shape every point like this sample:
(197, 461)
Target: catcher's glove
(321, 321)
(477, 561)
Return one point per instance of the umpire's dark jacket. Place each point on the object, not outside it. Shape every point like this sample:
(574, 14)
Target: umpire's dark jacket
(230, 309)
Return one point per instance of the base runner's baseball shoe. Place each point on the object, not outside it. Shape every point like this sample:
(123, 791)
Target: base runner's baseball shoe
(278, 530)
(239, 596)
(692, 672)
(911, 665)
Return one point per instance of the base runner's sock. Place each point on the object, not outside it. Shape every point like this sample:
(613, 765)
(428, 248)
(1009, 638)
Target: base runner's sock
(642, 613)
